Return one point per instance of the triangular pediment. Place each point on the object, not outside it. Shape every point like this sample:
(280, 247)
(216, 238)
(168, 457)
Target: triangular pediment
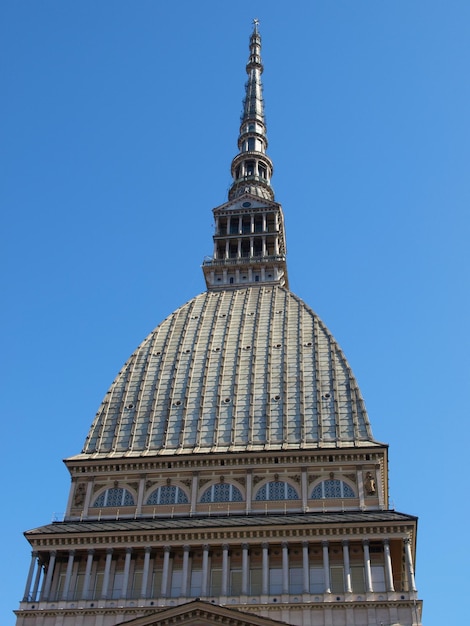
(199, 613)
(247, 201)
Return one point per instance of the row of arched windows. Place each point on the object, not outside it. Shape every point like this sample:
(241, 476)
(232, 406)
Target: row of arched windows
(224, 492)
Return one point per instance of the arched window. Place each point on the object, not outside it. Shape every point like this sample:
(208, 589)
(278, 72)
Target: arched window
(277, 490)
(168, 495)
(222, 492)
(332, 489)
(114, 497)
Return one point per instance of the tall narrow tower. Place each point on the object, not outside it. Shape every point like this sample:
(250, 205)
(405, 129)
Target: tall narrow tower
(249, 242)
(230, 474)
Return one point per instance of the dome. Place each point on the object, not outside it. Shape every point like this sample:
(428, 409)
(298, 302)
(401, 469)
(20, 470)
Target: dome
(232, 370)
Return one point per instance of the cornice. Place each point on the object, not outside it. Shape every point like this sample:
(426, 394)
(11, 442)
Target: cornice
(251, 535)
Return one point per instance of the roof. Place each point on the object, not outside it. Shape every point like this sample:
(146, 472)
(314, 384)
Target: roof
(232, 370)
(232, 521)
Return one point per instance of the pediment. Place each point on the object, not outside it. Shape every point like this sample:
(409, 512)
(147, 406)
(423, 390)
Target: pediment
(199, 613)
(247, 201)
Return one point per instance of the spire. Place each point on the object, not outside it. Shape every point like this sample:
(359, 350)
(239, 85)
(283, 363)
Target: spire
(249, 241)
(252, 168)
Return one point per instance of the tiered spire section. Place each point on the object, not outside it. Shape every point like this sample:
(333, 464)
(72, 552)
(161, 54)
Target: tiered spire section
(249, 242)
(252, 168)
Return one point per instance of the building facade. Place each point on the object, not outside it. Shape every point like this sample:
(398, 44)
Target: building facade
(230, 474)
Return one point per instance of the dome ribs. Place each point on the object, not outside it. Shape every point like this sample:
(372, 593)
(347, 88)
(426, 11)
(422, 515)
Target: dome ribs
(215, 334)
(244, 375)
(194, 389)
(131, 400)
(171, 357)
(156, 425)
(230, 325)
(239, 387)
(262, 320)
(294, 379)
(243, 369)
(275, 371)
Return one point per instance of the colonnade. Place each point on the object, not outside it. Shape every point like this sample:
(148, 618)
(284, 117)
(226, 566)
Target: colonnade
(264, 569)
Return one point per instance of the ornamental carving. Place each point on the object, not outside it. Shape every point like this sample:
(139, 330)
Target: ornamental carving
(313, 477)
(80, 491)
(204, 481)
(257, 479)
(134, 486)
(369, 484)
(296, 478)
(149, 483)
(186, 482)
(241, 480)
(352, 477)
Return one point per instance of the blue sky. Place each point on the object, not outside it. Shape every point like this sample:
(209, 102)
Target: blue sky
(118, 124)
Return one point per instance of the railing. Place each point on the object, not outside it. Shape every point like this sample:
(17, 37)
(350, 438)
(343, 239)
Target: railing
(276, 258)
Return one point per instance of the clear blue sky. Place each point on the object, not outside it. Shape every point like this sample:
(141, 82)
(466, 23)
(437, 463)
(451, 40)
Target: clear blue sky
(118, 124)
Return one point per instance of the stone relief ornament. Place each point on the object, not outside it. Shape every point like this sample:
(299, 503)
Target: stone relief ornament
(79, 498)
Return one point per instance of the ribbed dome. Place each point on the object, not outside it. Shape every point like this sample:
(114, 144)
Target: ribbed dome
(232, 370)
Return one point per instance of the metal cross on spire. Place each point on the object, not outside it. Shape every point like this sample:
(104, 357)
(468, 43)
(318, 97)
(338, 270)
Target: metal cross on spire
(255, 24)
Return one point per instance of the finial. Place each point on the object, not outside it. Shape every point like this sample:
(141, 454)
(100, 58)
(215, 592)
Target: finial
(255, 25)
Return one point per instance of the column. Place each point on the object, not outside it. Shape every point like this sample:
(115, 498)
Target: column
(409, 565)
(306, 568)
(224, 585)
(227, 249)
(127, 567)
(194, 492)
(166, 565)
(347, 567)
(87, 579)
(32, 565)
(388, 566)
(245, 570)
(68, 576)
(37, 579)
(264, 245)
(304, 486)
(205, 570)
(285, 567)
(239, 248)
(107, 570)
(379, 487)
(145, 573)
(265, 580)
(184, 583)
(88, 496)
(251, 242)
(50, 569)
(249, 490)
(140, 495)
(264, 222)
(367, 572)
(326, 566)
(228, 225)
(360, 487)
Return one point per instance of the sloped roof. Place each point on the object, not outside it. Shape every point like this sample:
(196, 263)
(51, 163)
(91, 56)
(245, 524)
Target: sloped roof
(232, 370)
(218, 522)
